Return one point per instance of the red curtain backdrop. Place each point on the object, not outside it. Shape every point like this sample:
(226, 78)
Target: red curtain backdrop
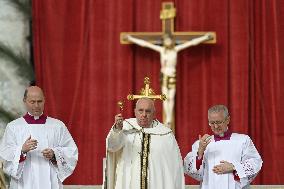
(84, 71)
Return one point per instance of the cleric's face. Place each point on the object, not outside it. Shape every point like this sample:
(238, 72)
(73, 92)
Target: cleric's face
(145, 112)
(218, 122)
(34, 102)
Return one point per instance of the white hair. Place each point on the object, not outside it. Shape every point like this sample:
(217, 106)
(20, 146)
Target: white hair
(219, 108)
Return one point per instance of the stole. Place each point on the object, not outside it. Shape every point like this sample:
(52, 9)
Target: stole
(144, 160)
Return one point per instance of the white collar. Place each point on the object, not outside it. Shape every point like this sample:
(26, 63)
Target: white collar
(35, 117)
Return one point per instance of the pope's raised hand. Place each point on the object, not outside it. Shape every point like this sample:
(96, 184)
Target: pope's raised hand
(30, 144)
(118, 121)
(203, 142)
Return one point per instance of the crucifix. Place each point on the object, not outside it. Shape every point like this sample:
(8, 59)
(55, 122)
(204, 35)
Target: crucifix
(168, 43)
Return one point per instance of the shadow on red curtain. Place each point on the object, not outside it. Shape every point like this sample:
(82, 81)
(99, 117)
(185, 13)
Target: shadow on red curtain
(84, 71)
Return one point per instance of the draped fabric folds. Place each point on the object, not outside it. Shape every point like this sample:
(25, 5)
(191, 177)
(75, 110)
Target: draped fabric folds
(84, 71)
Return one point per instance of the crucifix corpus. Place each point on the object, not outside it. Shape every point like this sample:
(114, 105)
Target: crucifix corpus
(168, 43)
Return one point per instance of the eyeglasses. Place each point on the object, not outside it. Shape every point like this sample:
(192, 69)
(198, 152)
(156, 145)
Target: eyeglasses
(211, 123)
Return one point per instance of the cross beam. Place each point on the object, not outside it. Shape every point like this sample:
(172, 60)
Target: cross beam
(167, 16)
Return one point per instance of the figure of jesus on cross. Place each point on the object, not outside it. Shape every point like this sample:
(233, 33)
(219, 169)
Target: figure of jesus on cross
(168, 57)
(168, 45)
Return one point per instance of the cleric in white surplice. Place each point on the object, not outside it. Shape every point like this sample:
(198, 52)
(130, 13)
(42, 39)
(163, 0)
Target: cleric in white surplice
(224, 160)
(38, 151)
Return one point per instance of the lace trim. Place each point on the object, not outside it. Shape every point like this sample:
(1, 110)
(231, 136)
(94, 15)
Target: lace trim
(190, 168)
(61, 161)
(249, 170)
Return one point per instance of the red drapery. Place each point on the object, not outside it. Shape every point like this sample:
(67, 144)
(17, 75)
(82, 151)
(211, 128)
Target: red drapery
(84, 71)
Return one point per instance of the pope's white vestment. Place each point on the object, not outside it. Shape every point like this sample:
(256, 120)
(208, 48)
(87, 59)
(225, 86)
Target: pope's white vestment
(238, 150)
(36, 172)
(123, 166)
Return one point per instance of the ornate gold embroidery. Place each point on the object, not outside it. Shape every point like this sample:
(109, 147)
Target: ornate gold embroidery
(144, 160)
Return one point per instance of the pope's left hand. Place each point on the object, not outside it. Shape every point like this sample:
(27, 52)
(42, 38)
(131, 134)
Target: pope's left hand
(223, 167)
(48, 153)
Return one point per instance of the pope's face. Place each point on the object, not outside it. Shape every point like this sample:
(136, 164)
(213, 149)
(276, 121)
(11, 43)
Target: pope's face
(35, 101)
(218, 123)
(145, 112)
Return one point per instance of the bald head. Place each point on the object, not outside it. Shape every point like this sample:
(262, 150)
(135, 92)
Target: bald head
(148, 101)
(34, 100)
(32, 89)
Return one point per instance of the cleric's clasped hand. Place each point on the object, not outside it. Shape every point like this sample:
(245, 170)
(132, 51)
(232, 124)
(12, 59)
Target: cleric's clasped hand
(30, 144)
(223, 167)
(48, 153)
